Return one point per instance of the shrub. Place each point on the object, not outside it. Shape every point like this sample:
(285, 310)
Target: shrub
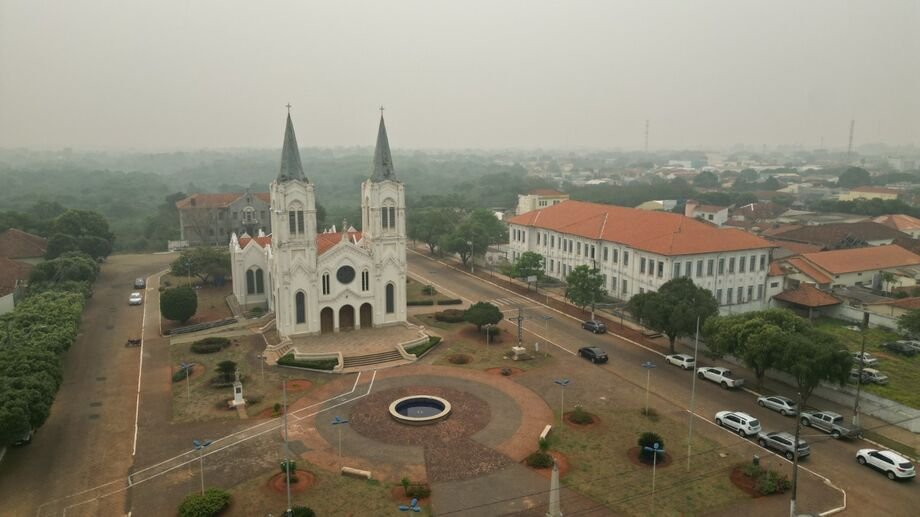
(450, 315)
(405, 484)
(772, 482)
(302, 511)
(209, 345)
(450, 301)
(752, 471)
(289, 467)
(492, 331)
(412, 303)
(420, 349)
(276, 409)
(211, 503)
(257, 311)
(178, 304)
(227, 370)
(418, 490)
(580, 416)
(429, 290)
(182, 373)
(539, 460)
(459, 359)
(315, 364)
(542, 444)
(649, 439)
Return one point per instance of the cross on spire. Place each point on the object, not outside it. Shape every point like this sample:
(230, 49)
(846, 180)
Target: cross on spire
(288, 106)
(381, 110)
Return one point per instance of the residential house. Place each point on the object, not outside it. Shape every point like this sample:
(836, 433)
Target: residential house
(13, 277)
(840, 235)
(716, 215)
(869, 193)
(869, 267)
(22, 246)
(902, 223)
(539, 198)
(210, 219)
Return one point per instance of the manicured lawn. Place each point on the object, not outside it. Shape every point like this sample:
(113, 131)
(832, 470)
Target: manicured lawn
(903, 372)
(414, 292)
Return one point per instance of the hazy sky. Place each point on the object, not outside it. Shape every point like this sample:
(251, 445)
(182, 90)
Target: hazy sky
(165, 74)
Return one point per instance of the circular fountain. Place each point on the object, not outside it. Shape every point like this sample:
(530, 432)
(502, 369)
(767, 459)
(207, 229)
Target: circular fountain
(419, 409)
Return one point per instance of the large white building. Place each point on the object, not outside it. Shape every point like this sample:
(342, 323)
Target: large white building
(639, 250)
(318, 283)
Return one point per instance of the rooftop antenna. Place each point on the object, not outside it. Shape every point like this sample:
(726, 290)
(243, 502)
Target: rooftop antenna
(850, 145)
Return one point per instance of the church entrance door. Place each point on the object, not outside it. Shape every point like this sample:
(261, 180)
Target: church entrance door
(347, 318)
(367, 316)
(326, 321)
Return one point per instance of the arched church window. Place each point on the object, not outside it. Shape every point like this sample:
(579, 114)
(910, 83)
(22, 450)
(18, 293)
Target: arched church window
(300, 308)
(250, 282)
(260, 282)
(391, 298)
(326, 283)
(365, 280)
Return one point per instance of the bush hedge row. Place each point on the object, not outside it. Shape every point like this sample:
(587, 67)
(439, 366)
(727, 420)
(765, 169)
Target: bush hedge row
(450, 301)
(210, 503)
(210, 345)
(421, 348)
(412, 303)
(450, 315)
(316, 364)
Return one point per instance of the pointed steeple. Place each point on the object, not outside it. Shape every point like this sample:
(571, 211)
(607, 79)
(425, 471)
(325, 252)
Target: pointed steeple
(291, 169)
(383, 160)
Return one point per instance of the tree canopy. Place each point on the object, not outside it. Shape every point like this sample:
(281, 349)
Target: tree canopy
(909, 323)
(585, 286)
(528, 264)
(674, 309)
(202, 262)
(474, 234)
(430, 225)
(483, 313)
(854, 177)
(706, 179)
(179, 303)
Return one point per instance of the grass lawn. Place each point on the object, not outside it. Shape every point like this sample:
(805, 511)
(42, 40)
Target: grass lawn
(332, 494)
(414, 292)
(903, 372)
(601, 470)
(212, 301)
(205, 399)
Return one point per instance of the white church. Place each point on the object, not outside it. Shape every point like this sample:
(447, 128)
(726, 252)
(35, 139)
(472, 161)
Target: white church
(325, 282)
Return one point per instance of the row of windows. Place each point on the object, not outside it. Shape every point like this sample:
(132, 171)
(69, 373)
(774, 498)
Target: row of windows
(326, 281)
(255, 281)
(388, 216)
(295, 222)
(300, 310)
(247, 214)
(738, 293)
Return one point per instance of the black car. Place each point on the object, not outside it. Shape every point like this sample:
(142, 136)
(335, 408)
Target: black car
(593, 354)
(140, 283)
(900, 348)
(594, 326)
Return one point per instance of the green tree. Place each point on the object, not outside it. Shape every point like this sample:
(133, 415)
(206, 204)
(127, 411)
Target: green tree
(585, 286)
(430, 225)
(203, 263)
(179, 303)
(649, 439)
(675, 308)
(854, 177)
(482, 313)
(909, 323)
(209, 504)
(95, 247)
(772, 184)
(302, 511)
(706, 179)
(71, 266)
(82, 223)
(227, 371)
(474, 234)
(59, 244)
(887, 278)
(528, 264)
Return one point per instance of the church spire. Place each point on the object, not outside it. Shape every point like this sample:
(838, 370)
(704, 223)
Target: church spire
(383, 160)
(291, 169)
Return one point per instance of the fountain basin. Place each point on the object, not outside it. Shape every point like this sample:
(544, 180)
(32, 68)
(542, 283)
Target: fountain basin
(420, 409)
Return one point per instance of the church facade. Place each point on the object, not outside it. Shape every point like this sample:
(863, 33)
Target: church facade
(334, 280)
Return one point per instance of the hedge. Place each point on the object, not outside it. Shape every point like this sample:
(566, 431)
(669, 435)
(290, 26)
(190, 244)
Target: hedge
(315, 364)
(182, 373)
(209, 345)
(450, 301)
(208, 504)
(449, 316)
(419, 302)
(421, 348)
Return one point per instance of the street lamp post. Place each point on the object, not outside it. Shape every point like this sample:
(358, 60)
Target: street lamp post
(287, 461)
(338, 423)
(655, 450)
(648, 365)
(696, 348)
(488, 327)
(188, 278)
(262, 365)
(862, 354)
(200, 446)
(562, 384)
(188, 373)
(472, 257)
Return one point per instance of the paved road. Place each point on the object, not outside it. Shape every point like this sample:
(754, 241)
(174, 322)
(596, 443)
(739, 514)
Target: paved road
(867, 491)
(89, 436)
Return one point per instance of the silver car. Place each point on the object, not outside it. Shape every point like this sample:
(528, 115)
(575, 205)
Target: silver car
(784, 443)
(784, 405)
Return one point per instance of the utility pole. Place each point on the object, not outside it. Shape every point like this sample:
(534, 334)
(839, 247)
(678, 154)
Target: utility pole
(696, 349)
(520, 325)
(862, 353)
(287, 461)
(850, 144)
(795, 460)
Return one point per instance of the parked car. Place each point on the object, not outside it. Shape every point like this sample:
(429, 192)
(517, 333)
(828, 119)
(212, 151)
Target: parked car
(911, 343)
(594, 326)
(874, 376)
(854, 377)
(891, 463)
(899, 347)
(865, 358)
(593, 354)
(720, 376)
(740, 422)
(135, 299)
(25, 439)
(830, 423)
(785, 405)
(687, 362)
(784, 443)
(140, 283)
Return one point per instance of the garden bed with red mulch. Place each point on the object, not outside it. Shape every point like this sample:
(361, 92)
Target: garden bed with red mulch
(664, 460)
(594, 421)
(744, 482)
(305, 480)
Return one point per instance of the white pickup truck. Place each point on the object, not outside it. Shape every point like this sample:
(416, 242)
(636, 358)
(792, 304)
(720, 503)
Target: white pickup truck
(720, 376)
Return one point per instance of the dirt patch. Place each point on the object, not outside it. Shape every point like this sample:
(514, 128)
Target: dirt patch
(561, 461)
(268, 412)
(398, 493)
(460, 359)
(304, 481)
(498, 371)
(664, 460)
(744, 483)
(295, 385)
(595, 420)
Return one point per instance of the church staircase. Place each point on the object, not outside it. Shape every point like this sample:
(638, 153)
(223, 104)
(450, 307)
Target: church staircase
(358, 361)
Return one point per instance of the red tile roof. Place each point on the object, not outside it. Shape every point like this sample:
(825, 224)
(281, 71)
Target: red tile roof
(325, 241)
(775, 269)
(809, 270)
(898, 221)
(664, 233)
(769, 232)
(263, 241)
(10, 272)
(797, 248)
(905, 303)
(709, 208)
(19, 244)
(863, 259)
(217, 200)
(546, 192)
(875, 190)
(807, 295)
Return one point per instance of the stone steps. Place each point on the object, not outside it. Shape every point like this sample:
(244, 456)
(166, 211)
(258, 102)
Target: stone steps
(370, 359)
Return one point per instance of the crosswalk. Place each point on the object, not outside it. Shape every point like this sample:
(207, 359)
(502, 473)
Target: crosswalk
(511, 301)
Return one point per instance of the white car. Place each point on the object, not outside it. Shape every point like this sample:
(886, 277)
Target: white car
(786, 406)
(891, 463)
(740, 422)
(720, 376)
(685, 361)
(865, 358)
(135, 299)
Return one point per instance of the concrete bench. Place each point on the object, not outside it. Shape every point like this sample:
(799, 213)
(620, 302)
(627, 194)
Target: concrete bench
(546, 431)
(348, 471)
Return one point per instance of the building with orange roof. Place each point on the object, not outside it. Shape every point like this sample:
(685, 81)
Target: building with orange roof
(902, 223)
(22, 246)
(869, 193)
(878, 267)
(638, 250)
(210, 218)
(319, 283)
(714, 214)
(539, 198)
(13, 276)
